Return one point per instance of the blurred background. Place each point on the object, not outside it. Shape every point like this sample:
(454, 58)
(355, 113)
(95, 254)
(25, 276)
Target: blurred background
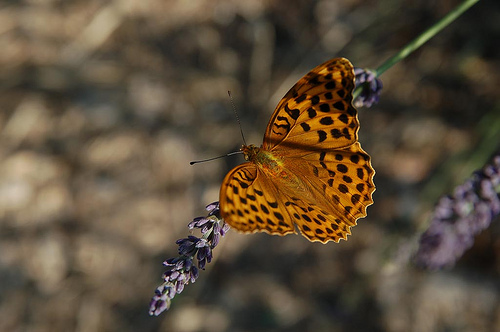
(104, 103)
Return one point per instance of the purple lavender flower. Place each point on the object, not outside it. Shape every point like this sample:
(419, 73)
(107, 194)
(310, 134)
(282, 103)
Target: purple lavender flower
(182, 270)
(370, 86)
(458, 218)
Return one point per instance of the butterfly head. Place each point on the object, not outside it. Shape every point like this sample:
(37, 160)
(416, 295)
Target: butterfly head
(250, 151)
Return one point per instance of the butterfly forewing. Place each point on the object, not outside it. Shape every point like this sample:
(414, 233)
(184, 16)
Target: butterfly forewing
(317, 111)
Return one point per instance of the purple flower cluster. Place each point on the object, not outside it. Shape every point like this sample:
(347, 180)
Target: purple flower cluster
(182, 270)
(370, 86)
(458, 218)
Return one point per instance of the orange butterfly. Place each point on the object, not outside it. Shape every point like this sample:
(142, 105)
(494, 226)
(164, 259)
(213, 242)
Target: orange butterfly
(311, 172)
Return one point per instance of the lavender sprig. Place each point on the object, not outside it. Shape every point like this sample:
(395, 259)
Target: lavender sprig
(182, 270)
(458, 218)
(370, 86)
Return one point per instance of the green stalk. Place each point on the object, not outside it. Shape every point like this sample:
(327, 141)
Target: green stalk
(422, 39)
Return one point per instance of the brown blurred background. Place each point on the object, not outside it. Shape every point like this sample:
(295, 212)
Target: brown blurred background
(104, 103)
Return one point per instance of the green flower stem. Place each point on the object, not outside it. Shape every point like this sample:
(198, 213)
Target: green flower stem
(424, 37)
(420, 40)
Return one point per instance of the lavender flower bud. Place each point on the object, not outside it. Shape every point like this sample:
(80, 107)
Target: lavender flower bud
(187, 246)
(371, 87)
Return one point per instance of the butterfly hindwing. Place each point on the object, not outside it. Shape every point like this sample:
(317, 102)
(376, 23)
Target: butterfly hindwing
(249, 202)
(345, 177)
(336, 186)
(317, 223)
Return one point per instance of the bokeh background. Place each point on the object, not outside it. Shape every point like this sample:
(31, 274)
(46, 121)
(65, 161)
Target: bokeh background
(104, 103)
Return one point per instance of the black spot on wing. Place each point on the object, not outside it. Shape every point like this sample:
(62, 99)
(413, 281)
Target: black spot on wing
(327, 120)
(305, 126)
(301, 98)
(342, 168)
(336, 133)
(274, 205)
(339, 105)
(343, 117)
(322, 135)
(311, 112)
(347, 179)
(330, 85)
(293, 113)
(343, 188)
(325, 108)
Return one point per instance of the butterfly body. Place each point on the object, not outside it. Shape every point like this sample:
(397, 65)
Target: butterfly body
(263, 159)
(310, 174)
(274, 166)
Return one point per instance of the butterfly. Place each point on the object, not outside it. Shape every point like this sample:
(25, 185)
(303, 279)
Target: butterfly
(310, 174)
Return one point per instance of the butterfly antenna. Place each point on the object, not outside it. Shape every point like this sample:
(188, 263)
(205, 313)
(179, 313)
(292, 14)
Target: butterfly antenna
(214, 158)
(242, 136)
(237, 117)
